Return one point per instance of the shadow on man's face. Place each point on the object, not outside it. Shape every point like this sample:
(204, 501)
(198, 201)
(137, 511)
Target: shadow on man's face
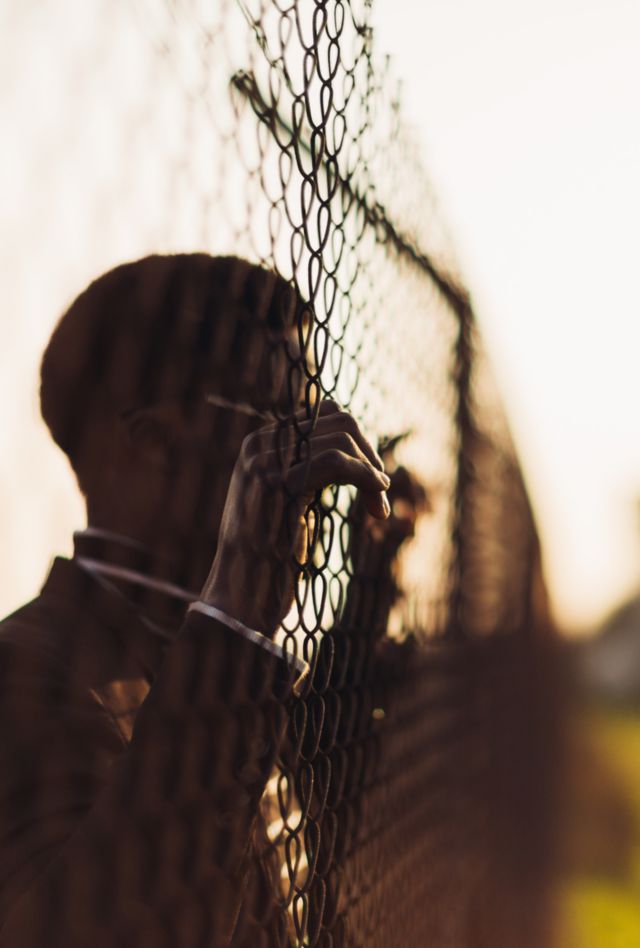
(154, 377)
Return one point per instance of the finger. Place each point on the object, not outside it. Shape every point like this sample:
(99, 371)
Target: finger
(302, 420)
(343, 421)
(318, 445)
(284, 435)
(334, 466)
(377, 504)
(342, 440)
(331, 420)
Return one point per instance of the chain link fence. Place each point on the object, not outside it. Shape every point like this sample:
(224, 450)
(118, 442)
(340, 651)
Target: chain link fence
(401, 793)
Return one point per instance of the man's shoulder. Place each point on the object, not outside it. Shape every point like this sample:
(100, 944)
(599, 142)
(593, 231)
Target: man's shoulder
(77, 625)
(72, 641)
(30, 629)
(35, 679)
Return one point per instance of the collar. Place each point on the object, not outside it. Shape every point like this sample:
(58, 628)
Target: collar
(99, 610)
(113, 556)
(119, 550)
(122, 565)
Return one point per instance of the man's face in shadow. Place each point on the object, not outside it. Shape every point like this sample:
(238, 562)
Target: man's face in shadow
(152, 380)
(179, 455)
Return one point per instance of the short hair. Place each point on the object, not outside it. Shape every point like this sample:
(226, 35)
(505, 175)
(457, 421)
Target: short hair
(160, 328)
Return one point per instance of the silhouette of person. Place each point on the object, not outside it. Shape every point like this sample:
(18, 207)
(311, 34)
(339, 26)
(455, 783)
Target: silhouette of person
(142, 698)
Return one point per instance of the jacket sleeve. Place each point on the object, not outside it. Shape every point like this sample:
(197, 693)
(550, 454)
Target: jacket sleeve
(145, 846)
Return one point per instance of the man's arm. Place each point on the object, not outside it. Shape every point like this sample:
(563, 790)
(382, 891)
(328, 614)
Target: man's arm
(152, 849)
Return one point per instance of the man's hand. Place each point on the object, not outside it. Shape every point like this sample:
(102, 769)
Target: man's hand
(264, 524)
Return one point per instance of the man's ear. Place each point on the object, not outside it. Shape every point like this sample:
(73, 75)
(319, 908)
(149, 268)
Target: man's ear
(149, 437)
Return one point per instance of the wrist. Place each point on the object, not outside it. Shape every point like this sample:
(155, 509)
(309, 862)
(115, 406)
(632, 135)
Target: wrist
(235, 602)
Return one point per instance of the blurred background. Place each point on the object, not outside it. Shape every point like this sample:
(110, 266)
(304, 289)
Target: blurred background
(527, 119)
(529, 123)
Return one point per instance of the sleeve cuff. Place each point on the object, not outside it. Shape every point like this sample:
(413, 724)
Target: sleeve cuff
(300, 667)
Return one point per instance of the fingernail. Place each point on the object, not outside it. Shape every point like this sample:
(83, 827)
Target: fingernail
(386, 507)
(384, 479)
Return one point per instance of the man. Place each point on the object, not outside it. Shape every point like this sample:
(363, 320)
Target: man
(136, 738)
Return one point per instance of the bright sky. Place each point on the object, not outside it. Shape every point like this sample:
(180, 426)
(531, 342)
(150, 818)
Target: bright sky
(529, 116)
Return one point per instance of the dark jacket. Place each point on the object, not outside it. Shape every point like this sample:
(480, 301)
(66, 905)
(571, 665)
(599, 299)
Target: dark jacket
(130, 771)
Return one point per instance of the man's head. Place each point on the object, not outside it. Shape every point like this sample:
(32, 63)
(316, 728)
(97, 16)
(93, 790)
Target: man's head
(125, 380)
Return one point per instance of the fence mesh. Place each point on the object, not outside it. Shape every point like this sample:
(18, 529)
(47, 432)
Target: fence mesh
(174, 788)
